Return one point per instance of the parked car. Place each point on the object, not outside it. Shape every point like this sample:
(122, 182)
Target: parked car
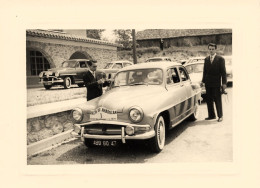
(195, 71)
(228, 63)
(70, 72)
(114, 66)
(155, 59)
(195, 59)
(144, 101)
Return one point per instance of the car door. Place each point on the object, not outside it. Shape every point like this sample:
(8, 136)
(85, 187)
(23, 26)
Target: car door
(81, 68)
(189, 98)
(177, 95)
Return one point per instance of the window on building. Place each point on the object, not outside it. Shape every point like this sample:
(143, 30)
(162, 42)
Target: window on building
(38, 63)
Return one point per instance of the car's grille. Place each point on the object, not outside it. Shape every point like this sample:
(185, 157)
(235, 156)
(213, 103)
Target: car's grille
(103, 129)
(47, 79)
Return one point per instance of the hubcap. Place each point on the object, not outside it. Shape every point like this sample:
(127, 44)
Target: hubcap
(67, 82)
(161, 134)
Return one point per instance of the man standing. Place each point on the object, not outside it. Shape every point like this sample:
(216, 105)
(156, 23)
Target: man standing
(214, 74)
(93, 81)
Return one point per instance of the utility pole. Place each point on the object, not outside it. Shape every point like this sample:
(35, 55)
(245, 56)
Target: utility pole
(134, 46)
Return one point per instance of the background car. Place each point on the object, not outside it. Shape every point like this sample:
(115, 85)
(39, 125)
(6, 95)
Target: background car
(228, 63)
(114, 66)
(144, 101)
(194, 60)
(195, 71)
(70, 72)
(155, 59)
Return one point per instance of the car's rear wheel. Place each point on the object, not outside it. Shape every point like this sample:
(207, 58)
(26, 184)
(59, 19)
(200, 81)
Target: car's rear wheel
(80, 85)
(67, 82)
(195, 114)
(157, 142)
(47, 86)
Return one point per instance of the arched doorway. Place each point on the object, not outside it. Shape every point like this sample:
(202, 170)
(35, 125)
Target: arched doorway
(80, 55)
(36, 62)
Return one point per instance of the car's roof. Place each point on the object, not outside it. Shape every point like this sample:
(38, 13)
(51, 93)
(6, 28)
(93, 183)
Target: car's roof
(158, 57)
(161, 64)
(193, 63)
(78, 60)
(121, 61)
(198, 57)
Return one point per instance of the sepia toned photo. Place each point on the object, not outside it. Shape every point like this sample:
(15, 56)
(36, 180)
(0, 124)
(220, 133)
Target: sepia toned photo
(129, 96)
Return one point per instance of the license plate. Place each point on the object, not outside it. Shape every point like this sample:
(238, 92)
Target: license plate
(103, 114)
(104, 142)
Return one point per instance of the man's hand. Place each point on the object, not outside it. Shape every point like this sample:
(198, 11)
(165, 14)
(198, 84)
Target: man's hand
(224, 86)
(101, 81)
(201, 84)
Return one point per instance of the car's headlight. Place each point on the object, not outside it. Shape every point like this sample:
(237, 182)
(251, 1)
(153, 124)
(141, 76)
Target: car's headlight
(57, 74)
(77, 114)
(41, 75)
(136, 114)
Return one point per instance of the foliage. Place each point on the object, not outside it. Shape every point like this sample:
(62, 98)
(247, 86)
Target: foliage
(94, 33)
(124, 37)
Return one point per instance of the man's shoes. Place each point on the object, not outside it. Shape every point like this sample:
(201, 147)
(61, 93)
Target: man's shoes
(210, 118)
(220, 119)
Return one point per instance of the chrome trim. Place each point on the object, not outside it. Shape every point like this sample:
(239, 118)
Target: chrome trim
(144, 136)
(123, 135)
(112, 123)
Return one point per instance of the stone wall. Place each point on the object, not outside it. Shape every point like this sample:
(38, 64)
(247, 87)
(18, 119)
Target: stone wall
(224, 39)
(42, 127)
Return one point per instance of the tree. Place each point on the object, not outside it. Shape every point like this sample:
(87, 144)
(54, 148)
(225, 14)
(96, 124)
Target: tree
(124, 37)
(94, 33)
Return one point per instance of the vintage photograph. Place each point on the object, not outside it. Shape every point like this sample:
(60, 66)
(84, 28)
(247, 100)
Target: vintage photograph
(129, 96)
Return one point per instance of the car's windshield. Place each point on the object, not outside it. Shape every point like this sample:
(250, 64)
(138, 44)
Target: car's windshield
(151, 76)
(108, 66)
(68, 64)
(195, 68)
(154, 60)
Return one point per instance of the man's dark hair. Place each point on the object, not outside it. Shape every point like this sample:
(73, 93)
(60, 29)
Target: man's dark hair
(90, 62)
(212, 44)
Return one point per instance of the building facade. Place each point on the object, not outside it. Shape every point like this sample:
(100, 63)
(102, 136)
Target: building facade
(48, 49)
(166, 38)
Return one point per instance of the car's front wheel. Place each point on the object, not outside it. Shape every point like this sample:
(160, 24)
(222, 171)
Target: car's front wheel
(47, 86)
(157, 142)
(67, 82)
(88, 143)
(80, 85)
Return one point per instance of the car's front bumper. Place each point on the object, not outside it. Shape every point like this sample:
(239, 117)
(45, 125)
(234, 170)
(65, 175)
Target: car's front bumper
(51, 80)
(147, 131)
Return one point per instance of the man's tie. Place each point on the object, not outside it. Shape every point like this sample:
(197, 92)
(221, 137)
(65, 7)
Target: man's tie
(211, 59)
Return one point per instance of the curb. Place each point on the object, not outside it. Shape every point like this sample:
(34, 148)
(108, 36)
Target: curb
(39, 146)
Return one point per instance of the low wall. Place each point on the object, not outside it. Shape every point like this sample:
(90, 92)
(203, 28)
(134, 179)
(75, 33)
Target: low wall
(42, 127)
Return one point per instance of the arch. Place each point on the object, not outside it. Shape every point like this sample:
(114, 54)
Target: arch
(80, 55)
(44, 53)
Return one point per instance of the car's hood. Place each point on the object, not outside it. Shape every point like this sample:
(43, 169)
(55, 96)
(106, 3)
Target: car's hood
(123, 97)
(60, 69)
(196, 77)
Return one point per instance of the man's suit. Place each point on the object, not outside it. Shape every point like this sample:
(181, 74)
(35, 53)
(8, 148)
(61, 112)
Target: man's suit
(214, 73)
(93, 88)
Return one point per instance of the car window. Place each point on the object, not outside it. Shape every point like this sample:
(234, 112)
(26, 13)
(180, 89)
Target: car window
(69, 64)
(117, 66)
(172, 76)
(127, 64)
(150, 76)
(189, 69)
(82, 64)
(108, 66)
(183, 74)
